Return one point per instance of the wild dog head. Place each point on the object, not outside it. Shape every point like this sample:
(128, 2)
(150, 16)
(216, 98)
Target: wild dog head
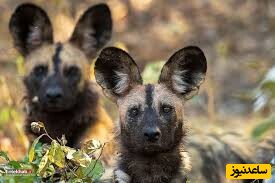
(56, 73)
(151, 115)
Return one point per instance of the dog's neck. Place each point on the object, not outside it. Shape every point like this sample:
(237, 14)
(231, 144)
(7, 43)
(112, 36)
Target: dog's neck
(83, 113)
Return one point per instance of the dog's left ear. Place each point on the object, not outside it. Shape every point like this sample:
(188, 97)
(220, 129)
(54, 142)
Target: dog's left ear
(93, 30)
(184, 72)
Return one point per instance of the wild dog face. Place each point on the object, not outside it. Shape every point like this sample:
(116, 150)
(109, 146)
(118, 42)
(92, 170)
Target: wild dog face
(56, 72)
(151, 116)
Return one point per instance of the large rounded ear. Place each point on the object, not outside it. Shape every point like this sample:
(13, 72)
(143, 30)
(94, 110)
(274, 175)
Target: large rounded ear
(30, 27)
(93, 30)
(185, 71)
(116, 72)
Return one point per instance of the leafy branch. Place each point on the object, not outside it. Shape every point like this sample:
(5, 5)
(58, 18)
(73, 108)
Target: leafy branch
(57, 162)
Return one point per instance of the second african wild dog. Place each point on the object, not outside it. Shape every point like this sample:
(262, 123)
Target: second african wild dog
(58, 89)
(152, 129)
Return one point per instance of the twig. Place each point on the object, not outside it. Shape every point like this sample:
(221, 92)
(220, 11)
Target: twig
(97, 159)
(47, 133)
(72, 172)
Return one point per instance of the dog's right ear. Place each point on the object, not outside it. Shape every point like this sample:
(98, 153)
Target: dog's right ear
(30, 27)
(116, 72)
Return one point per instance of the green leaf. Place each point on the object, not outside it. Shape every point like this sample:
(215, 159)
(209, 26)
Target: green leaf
(68, 151)
(81, 158)
(44, 164)
(264, 126)
(94, 170)
(269, 86)
(79, 172)
(14, 164)
(5, 115)
(4, 155)
(49, 171)
(32, 149)
(91, 146)
(76, 180)
(20, 65)
(152, 71)
(56, 154)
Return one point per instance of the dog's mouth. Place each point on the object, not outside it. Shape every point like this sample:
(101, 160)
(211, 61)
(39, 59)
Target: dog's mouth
(153, 148)
(56, 106)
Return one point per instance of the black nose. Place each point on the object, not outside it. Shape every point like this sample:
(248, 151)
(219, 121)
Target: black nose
(152, 134)
(54, 93)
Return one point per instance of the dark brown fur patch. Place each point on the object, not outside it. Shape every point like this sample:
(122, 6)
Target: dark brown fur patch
(59, 92)
(162, 165)
(56, 57)
(73, 122)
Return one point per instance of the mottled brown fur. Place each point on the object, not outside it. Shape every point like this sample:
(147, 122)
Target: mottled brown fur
(59, 92)
(150, 167)
(151, 131)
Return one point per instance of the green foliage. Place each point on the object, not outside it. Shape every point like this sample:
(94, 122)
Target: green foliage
(265, 93)
(55, 162)
(20, 65)
(269, 86)
(4, 155)
(32, 149)
(265, 97)
(7, 114)
(263, 127)
(12, 164)
(152, 71)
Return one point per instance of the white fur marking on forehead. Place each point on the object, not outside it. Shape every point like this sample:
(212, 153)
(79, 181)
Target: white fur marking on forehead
(179, 79)
(122, 81)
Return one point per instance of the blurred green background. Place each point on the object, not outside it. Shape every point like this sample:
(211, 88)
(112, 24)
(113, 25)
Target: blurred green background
(238, 38)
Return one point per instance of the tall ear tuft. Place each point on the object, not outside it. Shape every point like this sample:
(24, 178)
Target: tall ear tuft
(116, 72)
(185, 71)
(30, 27)
(93, 29)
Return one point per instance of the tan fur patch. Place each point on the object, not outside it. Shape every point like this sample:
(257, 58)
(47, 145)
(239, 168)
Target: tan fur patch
(72, 56)
(163, 95)
(135, 96)
(69, 55)
(41, 56)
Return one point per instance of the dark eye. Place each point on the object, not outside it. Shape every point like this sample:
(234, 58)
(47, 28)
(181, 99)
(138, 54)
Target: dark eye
(40, 70)
(167, 109)
(72, 72)
(134, 111)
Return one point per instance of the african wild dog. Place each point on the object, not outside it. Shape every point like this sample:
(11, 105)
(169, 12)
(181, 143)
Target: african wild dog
(58, 88)
(152, 129)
